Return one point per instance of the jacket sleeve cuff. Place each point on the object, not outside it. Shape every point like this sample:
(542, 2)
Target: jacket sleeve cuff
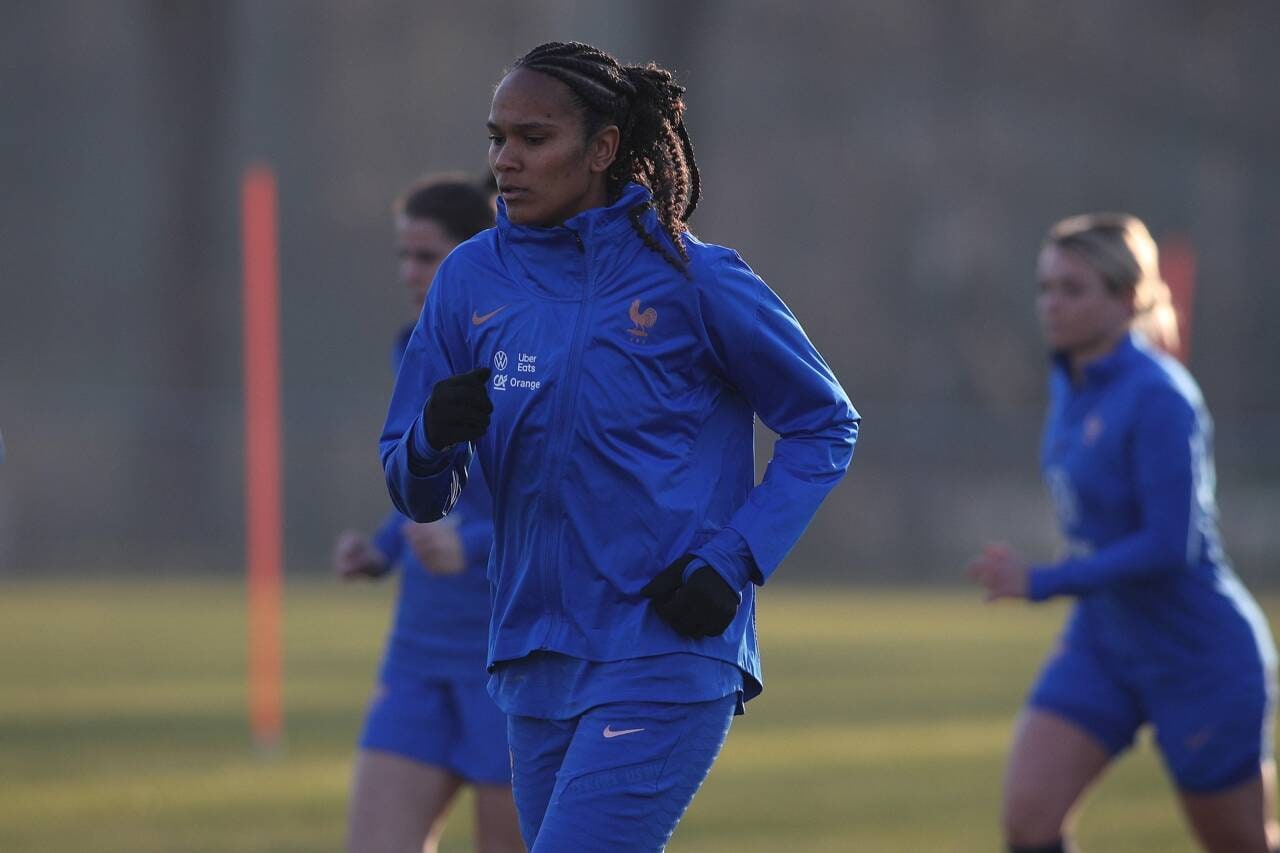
(1044, 582)
(728, 553)
(389, 540)
(425, 460)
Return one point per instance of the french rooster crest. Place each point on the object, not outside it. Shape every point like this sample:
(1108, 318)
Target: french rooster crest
(643, 320)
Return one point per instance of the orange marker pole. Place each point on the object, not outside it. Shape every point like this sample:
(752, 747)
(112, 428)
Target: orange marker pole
(1178, 267)
(262, 454)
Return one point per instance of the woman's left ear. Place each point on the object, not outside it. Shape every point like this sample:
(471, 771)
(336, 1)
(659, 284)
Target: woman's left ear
(603, 149)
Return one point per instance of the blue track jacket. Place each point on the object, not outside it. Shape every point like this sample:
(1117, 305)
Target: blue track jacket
(441, 621)
(621, 436)
(1128, 458)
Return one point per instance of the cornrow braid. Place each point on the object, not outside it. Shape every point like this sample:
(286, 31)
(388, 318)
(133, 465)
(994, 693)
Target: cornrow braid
(654, 148)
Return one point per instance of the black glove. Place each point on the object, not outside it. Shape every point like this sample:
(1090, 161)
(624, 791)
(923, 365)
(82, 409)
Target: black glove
(458, 409)
(702, 607)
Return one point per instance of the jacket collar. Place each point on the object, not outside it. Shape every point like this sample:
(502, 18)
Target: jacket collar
(590, 226)
(1106, 368)
(565, 261)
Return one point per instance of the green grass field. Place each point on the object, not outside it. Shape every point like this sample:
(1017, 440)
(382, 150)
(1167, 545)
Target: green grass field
(883, 726)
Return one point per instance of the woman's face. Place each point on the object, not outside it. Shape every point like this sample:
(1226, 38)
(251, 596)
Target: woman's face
(546, 171)
(1078, 313)
(421, 245)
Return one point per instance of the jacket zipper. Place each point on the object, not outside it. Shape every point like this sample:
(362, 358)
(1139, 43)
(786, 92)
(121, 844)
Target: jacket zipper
(561, 417)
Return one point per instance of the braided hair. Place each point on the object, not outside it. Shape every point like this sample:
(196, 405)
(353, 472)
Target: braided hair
(654, 148)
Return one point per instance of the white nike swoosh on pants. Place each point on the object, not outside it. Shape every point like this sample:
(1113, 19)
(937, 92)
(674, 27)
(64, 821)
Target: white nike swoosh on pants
(609, 731)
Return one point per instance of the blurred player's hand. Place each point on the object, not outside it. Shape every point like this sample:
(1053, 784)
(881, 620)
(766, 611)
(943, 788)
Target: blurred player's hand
(458, 409)
(437, 546)
(1001, 571)
(355, 557)
(703, 606)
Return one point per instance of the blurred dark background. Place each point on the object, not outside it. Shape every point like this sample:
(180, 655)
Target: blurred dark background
(889, 168)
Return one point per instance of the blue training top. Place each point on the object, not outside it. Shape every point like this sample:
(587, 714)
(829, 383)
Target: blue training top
(622, 432)
(1128, 458)
(441, 621)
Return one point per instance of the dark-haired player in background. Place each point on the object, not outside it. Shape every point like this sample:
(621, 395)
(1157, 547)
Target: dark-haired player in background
(431, 727)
